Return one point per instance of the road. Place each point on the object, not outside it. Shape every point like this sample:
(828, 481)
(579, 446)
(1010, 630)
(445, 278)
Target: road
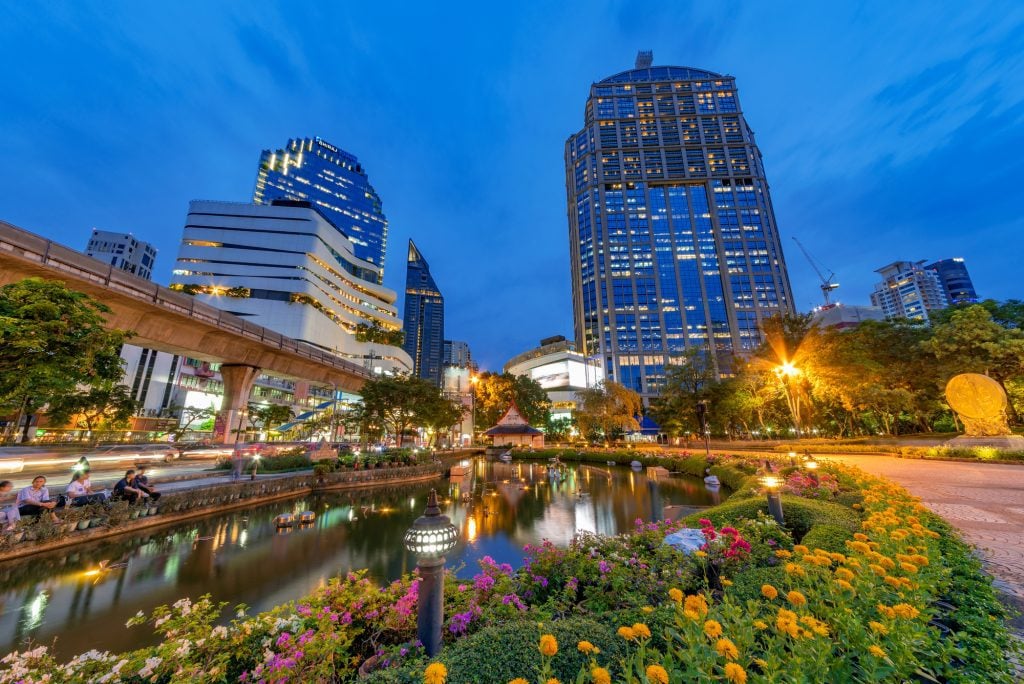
(107, 474)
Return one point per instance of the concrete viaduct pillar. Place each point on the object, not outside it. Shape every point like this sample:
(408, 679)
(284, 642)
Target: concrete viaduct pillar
(238, 381)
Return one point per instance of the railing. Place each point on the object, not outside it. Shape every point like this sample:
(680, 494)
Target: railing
(53, 255)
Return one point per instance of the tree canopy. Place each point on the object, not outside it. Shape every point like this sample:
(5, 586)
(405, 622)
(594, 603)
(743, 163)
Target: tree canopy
(494, 393)
(53, 341)
(608, 410)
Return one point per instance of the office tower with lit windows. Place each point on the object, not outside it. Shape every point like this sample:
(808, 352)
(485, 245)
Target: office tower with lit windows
(334, 181)
(672, 235)
(956, 281)
(424, 318)
(908, 290)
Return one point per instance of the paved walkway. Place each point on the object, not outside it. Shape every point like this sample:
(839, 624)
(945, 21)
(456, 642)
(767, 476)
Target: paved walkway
(985, 501)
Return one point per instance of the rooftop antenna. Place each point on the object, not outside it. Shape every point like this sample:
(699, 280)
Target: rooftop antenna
(644, 59)
(826, 283)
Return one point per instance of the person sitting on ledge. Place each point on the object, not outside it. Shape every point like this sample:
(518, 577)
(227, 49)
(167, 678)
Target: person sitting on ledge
(35, 499)
(142, 482)
(126, 489)
(78, 492)
(9, 512)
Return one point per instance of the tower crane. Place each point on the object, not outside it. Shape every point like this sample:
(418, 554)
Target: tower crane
(826, 283)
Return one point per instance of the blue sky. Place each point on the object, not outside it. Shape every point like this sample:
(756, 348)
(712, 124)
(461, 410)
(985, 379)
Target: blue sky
(889, 130)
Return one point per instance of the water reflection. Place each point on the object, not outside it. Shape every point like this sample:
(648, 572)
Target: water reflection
(83, 597)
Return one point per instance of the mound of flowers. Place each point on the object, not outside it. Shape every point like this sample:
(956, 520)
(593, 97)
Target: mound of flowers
(883, 592)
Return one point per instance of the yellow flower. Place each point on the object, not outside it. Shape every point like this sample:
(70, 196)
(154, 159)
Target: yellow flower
(844, 585)
(876, 651)
(700, 554)
(878, 628)
(844, 574)
(769, 592)
(796, 598)
(800, 548)
(782, 553)
(727, 649)
(647, 609)
(760, 624)
(887, 611)
(641, 631)
(587, 647)
(735, 673)
(548, 645)
(905, 610)
(656, 674)
(894, 582)
(695, 607)
(675, 595)
(909, 568)
(860, 537)
(726, 582)
(552, 681)
(600, 675)
(518, 680)
(794, 569)
(761, 663)
(435, 673)
(626, 633)
(877, 569)
(713, 629)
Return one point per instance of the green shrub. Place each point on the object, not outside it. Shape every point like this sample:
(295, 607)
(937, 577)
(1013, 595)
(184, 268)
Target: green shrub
(848, 499)
(504, 652)
(731, 477)
(747, 585)
(829, 537)
(801, 514)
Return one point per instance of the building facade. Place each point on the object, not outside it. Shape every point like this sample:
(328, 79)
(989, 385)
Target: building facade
(560, 370)
(285, 266)
(334, 181)
(845, 316)
(123, 251)
(908, 290)
(956, 281)
(457, 354)
(424, 318)
(672, 235)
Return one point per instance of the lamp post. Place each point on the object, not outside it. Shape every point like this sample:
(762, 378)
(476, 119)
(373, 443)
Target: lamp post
(255, 465)
(771, 485)
(430, 538)
(785, 373)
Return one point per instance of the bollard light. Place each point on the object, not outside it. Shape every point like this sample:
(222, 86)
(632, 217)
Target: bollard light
(771, 485)
(255, 464)
(792, 458)
(430, 538)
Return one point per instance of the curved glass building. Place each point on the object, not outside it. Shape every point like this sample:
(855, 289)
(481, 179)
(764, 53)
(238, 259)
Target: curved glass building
(672, 236)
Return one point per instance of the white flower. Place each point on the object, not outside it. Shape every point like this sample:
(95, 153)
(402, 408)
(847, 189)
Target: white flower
(184, 606)
(120, 664)
(220, 632)
(161, 621)
(150, 665)
(183, 650)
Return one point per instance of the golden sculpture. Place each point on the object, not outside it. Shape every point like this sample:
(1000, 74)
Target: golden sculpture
(980, 402)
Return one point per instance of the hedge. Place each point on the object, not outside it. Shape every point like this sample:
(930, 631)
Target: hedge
(801, 514)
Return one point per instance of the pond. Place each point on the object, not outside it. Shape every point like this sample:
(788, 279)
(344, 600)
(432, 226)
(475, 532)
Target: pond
(80, 598)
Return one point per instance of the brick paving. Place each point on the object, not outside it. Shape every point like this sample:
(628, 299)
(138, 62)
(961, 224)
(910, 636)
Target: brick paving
(985, 501)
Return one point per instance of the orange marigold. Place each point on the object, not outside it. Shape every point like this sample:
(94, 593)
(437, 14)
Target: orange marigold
(727, 649)
(769, 592)
(656, 674)
(735, 673)
(626, 633)
(641, 631)
(713, 628)
(435, 674)
(600, 675)
(675, 595)
(796, 598)
(878, 628)
(587, 647)
(876, 651)
(548, 645)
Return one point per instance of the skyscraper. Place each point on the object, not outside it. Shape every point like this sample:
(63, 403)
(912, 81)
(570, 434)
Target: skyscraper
(908, 290)
(123, 251)
(956, 281)
(672, 235)
(457, 353)
(313, 170)
(424, 318)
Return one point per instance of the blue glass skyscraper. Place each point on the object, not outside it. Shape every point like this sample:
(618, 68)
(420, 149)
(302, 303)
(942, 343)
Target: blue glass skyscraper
(672, 235)
(424, 318)
(316, 171)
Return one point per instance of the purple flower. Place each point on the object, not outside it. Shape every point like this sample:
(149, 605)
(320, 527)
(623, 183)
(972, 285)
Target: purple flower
(542, 581)
(283, 639)
(483, 582)
(304, 610)
(604, 567)
(460, 622)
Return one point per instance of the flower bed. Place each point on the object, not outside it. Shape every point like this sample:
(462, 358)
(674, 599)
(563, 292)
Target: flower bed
(879, 590)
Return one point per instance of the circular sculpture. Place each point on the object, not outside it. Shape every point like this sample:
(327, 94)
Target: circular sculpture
(980, 402)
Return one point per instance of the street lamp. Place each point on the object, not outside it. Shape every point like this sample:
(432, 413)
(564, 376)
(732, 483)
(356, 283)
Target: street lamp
(771, 485)
(785, 373)
(431, 537)
(255, 464)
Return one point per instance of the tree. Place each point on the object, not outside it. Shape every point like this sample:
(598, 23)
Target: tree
(558, 429)
(192, 415)
(53, 341)
(267, 416)
(375, 332)
(689, 379)
(107, 405)
(608, 410)
(392, 402)
(439, 414)
(972, 342)
(494, 393)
